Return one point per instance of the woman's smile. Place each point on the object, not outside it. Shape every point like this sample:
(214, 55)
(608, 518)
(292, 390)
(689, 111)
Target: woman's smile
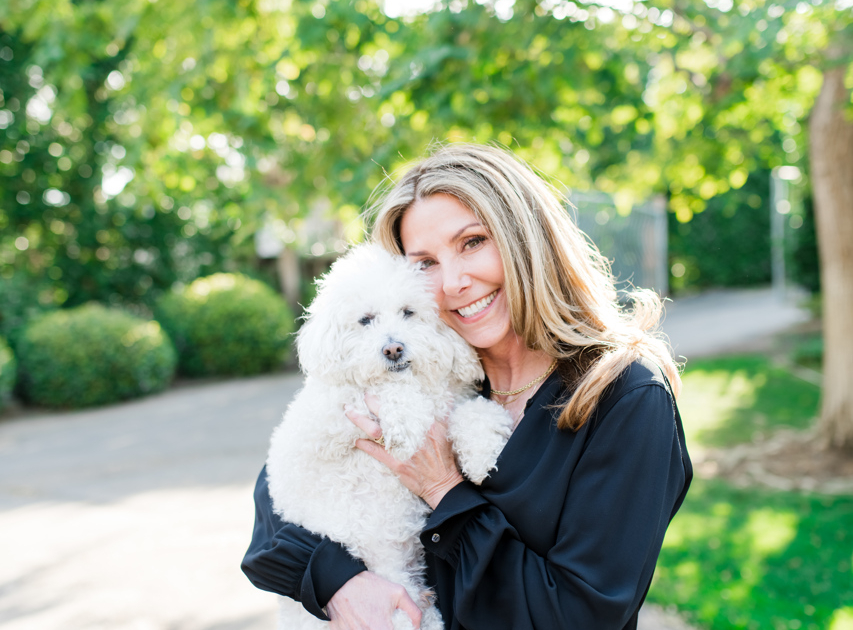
(467, 312)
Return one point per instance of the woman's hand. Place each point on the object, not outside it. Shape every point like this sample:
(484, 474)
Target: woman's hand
(367, 602)
(430, 473)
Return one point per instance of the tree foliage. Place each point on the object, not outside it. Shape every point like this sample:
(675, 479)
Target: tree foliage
(145, 141)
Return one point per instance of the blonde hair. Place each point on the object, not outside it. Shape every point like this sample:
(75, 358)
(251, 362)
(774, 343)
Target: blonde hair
(559, 287)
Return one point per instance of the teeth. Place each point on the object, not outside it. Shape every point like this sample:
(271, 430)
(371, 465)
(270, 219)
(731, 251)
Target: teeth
(476, 307)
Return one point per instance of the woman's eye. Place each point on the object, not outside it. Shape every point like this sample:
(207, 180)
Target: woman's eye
(426, 264)
(474, 241)
(407, 313)
(364, 321)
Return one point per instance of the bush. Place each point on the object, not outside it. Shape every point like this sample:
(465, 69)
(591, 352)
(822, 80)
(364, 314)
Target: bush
(91, 355)
(8, 369)
(227, 324)
(727, 244)
(20, 303)
(803, 259)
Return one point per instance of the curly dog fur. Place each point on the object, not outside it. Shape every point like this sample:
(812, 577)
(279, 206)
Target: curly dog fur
(374, 327)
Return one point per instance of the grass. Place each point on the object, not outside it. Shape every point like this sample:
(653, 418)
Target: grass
(730, 400)
(809, 352)
(749, 558)
(754, 559)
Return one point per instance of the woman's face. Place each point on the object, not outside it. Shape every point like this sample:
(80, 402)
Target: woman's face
(463, 263)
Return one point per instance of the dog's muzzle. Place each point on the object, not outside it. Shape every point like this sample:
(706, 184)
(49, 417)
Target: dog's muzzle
(393, 352)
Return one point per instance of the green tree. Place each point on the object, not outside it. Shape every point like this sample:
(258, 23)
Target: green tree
(754, 77)
(229, 113)
(62, 165)
(685, 97)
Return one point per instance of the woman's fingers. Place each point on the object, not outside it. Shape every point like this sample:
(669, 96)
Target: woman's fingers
(436, 466)
(368, 602)
(408, 606)
(368, 424)
(373, 405)
(378, 452)
(430, 473)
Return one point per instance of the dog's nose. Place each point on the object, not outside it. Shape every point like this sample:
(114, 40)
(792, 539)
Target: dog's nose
(393, 351)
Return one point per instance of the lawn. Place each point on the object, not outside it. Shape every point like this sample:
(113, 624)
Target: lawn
(751, 558)
(730, 400)
(756, 559)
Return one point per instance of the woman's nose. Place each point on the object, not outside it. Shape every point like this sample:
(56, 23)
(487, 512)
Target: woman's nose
(454, 278)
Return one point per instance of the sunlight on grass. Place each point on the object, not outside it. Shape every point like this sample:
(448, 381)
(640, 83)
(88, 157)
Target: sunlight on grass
(731, 400)
(842, 619)
(711, 397)
(752, 559)
(771, 530)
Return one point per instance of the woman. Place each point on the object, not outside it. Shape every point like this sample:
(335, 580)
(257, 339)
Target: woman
(566, 532)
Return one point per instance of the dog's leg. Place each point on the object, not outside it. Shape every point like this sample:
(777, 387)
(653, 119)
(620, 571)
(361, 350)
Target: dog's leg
(315, 421)
(406, 415)
(479, 430)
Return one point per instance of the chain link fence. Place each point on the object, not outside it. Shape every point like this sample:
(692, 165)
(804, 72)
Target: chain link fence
(635, 244)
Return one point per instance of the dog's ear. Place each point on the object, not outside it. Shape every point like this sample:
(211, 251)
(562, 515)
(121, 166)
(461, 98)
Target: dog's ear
(315, 344)
(466, 364)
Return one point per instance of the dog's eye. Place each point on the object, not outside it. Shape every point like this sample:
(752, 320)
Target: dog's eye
(407, 313)
(364, 321)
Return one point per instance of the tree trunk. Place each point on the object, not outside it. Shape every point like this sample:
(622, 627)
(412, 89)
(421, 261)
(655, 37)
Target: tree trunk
(831, 152)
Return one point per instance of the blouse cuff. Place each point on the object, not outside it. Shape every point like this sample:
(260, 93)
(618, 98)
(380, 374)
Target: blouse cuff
(331, 566)
(449, 518)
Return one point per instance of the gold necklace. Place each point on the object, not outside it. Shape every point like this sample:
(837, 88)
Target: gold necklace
(529, 385)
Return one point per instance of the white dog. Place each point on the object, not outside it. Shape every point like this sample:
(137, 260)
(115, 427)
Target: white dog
(374, 327)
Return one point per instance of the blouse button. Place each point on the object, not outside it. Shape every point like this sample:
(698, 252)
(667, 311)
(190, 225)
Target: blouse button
(436, 538)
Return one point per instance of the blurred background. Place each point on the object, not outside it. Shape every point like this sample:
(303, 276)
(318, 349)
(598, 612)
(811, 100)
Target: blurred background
(174, 175)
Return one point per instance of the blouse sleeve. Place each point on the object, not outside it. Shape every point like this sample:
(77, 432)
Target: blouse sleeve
(626, 486)
(292, 561)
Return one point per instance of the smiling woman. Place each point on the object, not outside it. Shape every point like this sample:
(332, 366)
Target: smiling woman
(565, 533)
(474, 205)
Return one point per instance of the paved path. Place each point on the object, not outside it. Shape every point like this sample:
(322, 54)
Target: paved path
(135, 516)
(723, 321)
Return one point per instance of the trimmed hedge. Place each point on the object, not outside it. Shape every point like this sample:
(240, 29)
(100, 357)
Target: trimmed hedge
(8, 370)
(227, 324)
(91, 355)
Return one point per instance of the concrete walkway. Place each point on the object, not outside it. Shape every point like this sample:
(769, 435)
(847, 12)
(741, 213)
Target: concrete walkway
(135, 516)
(724, 321)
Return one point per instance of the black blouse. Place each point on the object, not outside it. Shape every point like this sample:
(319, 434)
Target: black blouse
(564, 534)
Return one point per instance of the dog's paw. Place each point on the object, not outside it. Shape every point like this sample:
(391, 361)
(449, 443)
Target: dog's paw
(406, 417)
(479, 430)
(401, 444)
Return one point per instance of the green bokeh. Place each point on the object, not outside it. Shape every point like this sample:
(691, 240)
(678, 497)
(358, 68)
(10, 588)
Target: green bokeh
(8, 372)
